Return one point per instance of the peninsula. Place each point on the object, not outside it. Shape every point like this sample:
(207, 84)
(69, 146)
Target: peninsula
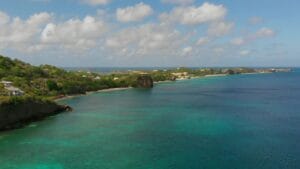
(28, 93)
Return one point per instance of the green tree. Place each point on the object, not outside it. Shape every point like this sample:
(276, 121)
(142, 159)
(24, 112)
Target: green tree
(52, 85)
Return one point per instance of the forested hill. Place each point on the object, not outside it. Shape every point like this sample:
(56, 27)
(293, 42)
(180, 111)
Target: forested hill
(48, 81)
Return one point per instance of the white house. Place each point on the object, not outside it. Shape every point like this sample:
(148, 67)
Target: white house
(6, 83)
(12, 91)
(97, 78)
(181, 75)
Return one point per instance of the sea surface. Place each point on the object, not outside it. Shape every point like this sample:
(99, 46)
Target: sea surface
(233, 122)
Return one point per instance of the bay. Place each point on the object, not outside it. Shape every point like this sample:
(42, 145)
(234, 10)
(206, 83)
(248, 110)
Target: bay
(231, 122)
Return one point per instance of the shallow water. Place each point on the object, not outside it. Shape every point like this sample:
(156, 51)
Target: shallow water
(234, 122)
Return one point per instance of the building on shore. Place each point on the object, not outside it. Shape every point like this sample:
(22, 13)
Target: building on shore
(181, 75)
(6, 83)
(11, 90)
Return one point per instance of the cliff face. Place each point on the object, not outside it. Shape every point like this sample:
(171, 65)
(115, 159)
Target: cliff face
(144, 81)
(18, 114)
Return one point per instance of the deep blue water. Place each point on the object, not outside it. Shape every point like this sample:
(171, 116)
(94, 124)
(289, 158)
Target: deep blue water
(233, 122)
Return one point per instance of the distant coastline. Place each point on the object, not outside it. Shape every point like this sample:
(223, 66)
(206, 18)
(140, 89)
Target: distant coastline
(156, 82)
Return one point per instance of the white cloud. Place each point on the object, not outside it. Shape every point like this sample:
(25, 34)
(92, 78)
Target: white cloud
(134, 13)
(219, 50)
(74, 33)
(187, 50)
(202, 41)
(264, 32)
(255, 20)
(39, 19)
(244, 52)
(40, 32)
(261, 33)
(179, 2)
(192, 15)
(220, 28)
(4, 18)
(145, 40)
(238, 41)
(96, 2)
(19, 34)
(144, 43)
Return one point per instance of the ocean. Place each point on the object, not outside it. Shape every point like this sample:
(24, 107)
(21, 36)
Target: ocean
(231, 122)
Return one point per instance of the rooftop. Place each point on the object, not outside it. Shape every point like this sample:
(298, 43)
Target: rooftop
(13, 89)
(6, 82)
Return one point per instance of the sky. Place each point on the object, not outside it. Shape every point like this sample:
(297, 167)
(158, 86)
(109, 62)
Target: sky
(151, 33)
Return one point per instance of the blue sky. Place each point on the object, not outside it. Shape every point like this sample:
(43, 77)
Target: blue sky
(151, 32)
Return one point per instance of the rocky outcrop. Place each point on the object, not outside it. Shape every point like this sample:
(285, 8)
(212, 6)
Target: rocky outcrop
(144, 81)
(230, 72)
(173, 78)
(16, 114)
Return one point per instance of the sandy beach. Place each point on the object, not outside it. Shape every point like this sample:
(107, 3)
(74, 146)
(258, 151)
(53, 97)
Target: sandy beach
(92, 92)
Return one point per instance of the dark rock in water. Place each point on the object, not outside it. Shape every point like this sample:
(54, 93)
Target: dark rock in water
(230, 72)
(144, 81)
(18, 114)
(173, 78)
(66, 108)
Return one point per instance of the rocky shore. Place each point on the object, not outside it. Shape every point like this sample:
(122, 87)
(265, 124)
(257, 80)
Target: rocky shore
(18, 113)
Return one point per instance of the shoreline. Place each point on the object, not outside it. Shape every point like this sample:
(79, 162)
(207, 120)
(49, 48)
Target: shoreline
(121, 88)
(158, 82)
(91, 92)
(216, 75)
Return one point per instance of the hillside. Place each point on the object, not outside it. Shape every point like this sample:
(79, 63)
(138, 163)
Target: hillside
(50, 81)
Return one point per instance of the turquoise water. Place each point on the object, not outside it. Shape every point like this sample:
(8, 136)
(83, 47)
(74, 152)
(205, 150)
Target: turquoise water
(234, 122)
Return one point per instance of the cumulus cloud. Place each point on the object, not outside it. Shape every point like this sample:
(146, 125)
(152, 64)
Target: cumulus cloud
(179, 2)
(171, 37)
(218, 50)
(264, 32)
(220, 28)
(145, 40)
(4, 18)
(260, 34)
(238, 41)
(74, 33)
(203, 41)
(255, 20)
(40, 31)
(18, 33)
(39, 19)
(192, 15)
(187, 50)
(244, 52)
(96, 2)
(134, 13)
